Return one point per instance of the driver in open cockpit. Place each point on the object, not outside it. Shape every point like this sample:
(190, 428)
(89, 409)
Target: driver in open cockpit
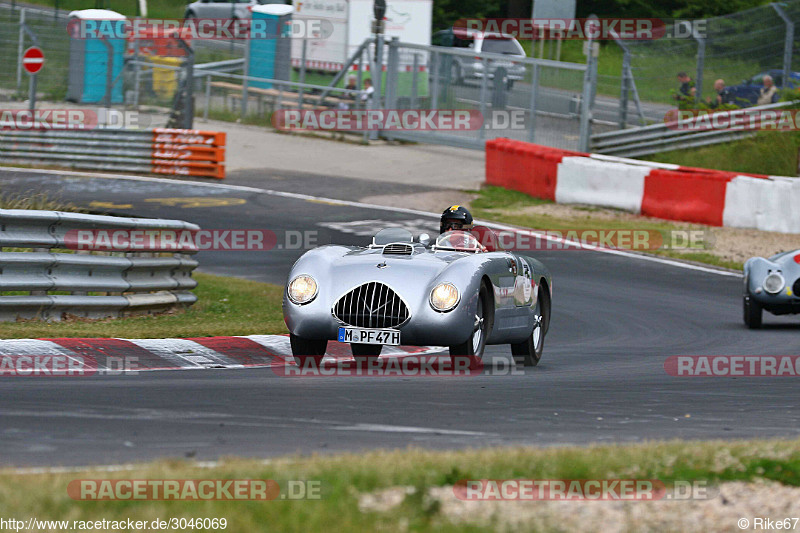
(455, 217)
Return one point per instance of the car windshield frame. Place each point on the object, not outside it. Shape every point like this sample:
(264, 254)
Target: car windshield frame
(443, 242)
(392, 235)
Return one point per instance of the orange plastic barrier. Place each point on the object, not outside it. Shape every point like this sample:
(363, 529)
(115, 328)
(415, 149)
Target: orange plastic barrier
(188, 153)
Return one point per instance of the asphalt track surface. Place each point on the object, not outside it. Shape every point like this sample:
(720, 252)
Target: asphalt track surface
(615, 321)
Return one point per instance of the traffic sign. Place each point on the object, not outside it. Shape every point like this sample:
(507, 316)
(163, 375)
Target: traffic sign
(33, 60)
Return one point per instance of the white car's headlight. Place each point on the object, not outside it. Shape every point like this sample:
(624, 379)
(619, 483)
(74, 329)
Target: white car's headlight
(774, 283)
(444, 297)
(302, 289)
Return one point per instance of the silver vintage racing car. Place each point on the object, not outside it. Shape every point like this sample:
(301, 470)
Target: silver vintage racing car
(771, 284)
(461, 291)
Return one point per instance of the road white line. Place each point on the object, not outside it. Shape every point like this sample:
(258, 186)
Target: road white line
(383, 428)
(307, 197)
(38, 471)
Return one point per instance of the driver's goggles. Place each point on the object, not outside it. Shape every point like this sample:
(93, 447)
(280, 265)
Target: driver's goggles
(458, 225)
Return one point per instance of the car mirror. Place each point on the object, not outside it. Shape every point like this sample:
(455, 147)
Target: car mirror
(424, 239)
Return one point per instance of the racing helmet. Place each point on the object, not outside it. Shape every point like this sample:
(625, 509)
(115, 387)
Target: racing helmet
(455, 217)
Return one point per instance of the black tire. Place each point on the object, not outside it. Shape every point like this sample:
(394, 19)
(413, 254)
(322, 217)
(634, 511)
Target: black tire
(473, 347)
(752, 312)
(509, 85)
(365, 352)
(306, 351)
(529, 352)
(189, 15)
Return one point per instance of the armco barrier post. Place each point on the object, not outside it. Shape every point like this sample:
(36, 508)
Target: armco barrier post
(534, 91)
(589, 81)
(788, 42)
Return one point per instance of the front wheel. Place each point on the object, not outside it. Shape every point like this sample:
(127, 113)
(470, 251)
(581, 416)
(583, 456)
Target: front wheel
(474, 346)
(530, 351)
(752, 312)
(307, 350)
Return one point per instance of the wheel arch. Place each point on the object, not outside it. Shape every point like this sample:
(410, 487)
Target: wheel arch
(485, 280)
(545, 291)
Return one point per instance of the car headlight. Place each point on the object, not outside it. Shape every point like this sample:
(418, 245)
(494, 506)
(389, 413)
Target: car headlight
(774, 283)
(302, 289)
(444, 297)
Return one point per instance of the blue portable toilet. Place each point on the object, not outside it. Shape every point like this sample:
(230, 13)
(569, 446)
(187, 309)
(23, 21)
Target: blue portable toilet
(89, 57)
(270, 45)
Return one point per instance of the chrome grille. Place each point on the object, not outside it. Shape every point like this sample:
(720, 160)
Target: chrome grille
(371, 305)
(796, 288)
(398, 249)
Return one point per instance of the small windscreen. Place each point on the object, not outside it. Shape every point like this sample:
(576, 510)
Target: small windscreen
(488, 238)
(461, 241)
(390, 235)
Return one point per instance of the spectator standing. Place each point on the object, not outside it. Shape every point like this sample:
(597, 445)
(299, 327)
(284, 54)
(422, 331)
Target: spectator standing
(723, 96)
(366, 94)
(351, 91)
(686, 90)
(768, 93)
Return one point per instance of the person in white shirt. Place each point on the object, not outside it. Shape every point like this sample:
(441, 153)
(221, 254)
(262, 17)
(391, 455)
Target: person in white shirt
(366, 94)
(768, 93)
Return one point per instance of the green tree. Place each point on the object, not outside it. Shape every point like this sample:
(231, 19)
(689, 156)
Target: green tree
(446, 12)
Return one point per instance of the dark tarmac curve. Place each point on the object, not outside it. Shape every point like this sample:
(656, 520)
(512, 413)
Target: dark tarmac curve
(615, 321)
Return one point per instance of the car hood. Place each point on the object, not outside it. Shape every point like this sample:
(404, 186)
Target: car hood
(339, 269)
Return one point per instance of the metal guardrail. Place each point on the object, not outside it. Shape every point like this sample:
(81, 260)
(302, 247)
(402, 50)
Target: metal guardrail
(156, 151)
(130, 281)
(664, 137)
(228, 65)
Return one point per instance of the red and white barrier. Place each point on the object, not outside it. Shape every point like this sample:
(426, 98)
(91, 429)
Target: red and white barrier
(713, 197)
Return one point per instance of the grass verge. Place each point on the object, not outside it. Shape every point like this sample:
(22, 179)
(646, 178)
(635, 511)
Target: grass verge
(225, 306)
(774, 153)
(36, 201)
(343, 478)
(512, 207)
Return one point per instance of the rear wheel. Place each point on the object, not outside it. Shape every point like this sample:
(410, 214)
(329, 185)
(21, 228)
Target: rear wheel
(307, 351)
(366, 352)
(529, 352)
(752, 312)
(476, 343)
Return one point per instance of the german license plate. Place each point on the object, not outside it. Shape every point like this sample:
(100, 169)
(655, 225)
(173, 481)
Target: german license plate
(387, 337)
